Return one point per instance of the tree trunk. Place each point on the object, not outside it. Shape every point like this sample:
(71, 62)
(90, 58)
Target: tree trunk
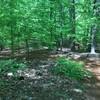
(72, 16)
(12, 25)
(61, 26)
(18, 43)
(93, 34)
(51, 15)
(12, 41)
(27, 49)
(94, 27)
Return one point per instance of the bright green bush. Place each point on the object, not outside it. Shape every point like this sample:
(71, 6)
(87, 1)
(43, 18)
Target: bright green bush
(70, 68)
(10, 66)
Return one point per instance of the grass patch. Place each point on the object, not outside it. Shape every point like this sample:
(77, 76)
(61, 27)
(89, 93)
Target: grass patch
(10, 66)
(71, 69)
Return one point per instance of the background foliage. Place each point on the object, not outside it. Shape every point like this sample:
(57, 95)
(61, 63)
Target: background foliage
(51, 23)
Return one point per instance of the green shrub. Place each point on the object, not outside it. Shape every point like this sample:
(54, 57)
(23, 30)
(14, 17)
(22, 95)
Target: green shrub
(10, 66)
(70, 68)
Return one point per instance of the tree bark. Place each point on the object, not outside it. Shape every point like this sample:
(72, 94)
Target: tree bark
(12, 25)
(61, 26)
(51, 15)
(72, 16)
(27, 49)
(94, 28)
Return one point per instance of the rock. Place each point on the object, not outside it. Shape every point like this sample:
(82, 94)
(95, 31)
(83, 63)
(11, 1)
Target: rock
(76, 56)
(77, 90)
(10, 74)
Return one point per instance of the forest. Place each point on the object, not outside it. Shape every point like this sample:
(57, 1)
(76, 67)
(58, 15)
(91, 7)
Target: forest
(49, 49)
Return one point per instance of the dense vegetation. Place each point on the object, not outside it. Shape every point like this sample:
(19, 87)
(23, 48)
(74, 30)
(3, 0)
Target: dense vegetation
(71, 68)
(11, 66)
(33, 24)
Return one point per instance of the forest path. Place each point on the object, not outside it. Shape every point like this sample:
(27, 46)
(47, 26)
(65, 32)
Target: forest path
(93, 86)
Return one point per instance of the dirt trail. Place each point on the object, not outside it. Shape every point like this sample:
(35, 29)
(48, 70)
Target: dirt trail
(93, 86)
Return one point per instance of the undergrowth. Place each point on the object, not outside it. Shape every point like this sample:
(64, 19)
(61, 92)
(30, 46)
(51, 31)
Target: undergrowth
(10, 66)
(70, 68)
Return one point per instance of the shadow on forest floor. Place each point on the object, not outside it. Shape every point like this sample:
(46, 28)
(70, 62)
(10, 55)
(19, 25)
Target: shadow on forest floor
(37, 83)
